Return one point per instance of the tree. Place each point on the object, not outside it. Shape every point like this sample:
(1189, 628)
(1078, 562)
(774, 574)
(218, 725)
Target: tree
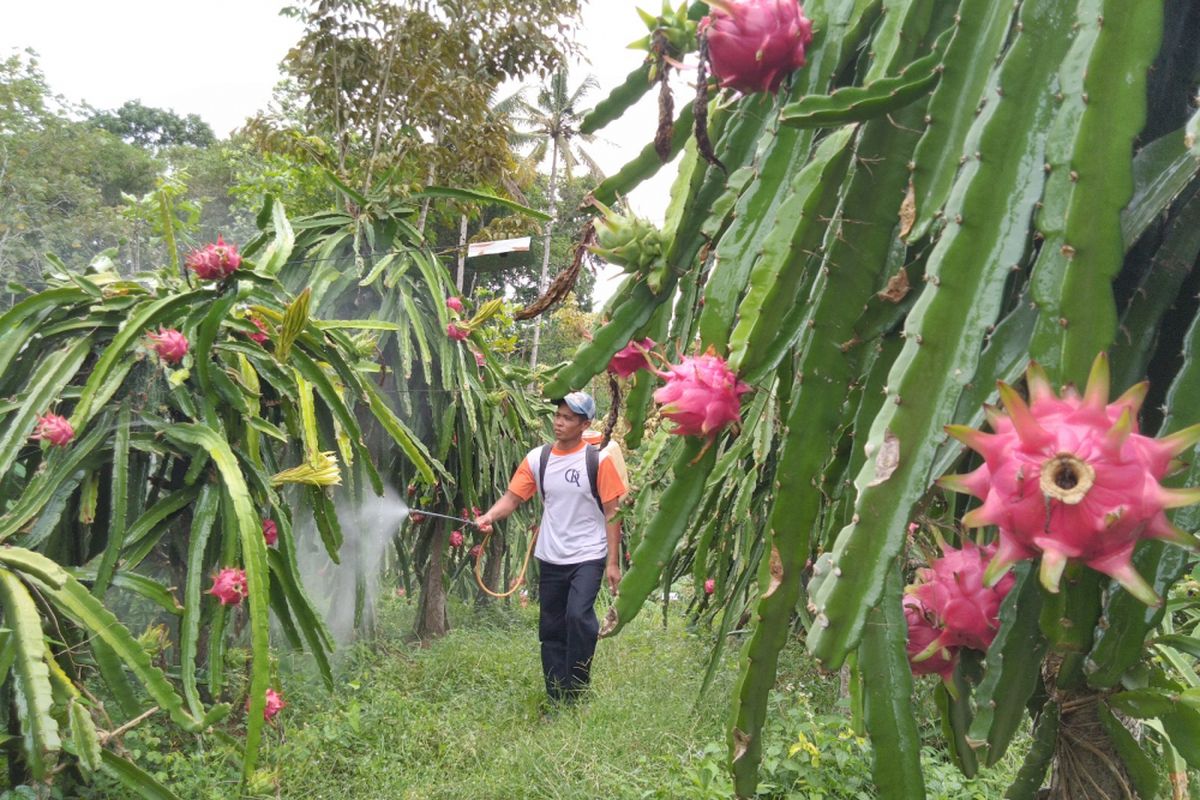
(150, 127)
(553, 122)
(61, 181)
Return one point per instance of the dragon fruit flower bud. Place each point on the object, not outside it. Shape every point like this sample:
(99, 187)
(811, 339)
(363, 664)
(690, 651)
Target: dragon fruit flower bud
(270, 532)
(273, 705)
(631, 358)
(229, 586)
(454, 304)
(456, 333)
(1070, 477)
(627, 241)
(170, 344)
(214, 262)
(456, 539)
(754, 44)
(710, 586)
(702, 395)
(53, 429)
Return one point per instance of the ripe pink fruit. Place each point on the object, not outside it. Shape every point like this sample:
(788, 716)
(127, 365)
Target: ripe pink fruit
(270, 532)
(454, 304)
(953, 591)
(702, 395)
(476, 550)
(456, 539)
(260, 337)
(53, 429)
(215, 262)
(170, 344)
(456, 333)
(631, 358)
(754, 44)
(710, 586)
(400, 592)
(1070, 477)
(273, 706)
(229, 586)
(924, 632)
(416, 517)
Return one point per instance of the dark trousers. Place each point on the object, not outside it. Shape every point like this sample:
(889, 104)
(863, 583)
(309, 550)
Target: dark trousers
(568, 626)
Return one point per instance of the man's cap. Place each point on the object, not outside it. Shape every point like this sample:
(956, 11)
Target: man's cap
(579, 402)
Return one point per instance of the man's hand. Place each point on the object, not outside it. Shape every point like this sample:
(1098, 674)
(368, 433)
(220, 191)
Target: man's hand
(613, 573)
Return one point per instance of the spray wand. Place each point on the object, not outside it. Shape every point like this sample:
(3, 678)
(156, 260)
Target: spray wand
(412, 511)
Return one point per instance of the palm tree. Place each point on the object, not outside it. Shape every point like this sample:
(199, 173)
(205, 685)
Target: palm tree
(553, 123)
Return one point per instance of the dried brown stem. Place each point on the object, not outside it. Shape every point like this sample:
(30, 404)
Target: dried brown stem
(564, 282)
(666, 103)
(700, 109)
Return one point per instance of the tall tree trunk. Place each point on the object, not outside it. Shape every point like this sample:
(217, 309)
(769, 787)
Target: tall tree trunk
(462, 251)
(543, 281)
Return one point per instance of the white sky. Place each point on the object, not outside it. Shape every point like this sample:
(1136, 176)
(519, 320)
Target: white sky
(219, 59)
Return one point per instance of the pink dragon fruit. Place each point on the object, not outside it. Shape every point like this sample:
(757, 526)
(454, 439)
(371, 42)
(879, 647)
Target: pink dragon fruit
(454, 304)
(631, 358)
(270, 532)
(456, 333)
(1070, 477)
(710, 586)
(702, 395)
(273, 705)
(170, 344)
(952, 589)
(480, 360)
(476, 551)
(229, 586)
(924, 632)
(262, 336)
(754, 44)
(416, 518)
(456, 539)
(216, 262)
(53, 429)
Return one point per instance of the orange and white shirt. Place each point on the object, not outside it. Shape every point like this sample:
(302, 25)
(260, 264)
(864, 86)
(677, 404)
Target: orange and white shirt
(573, 526)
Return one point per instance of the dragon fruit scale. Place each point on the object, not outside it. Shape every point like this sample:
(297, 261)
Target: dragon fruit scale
(1070, 477)
(754, 44)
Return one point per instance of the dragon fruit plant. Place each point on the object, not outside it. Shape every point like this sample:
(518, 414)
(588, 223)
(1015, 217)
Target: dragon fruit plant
(942, 194)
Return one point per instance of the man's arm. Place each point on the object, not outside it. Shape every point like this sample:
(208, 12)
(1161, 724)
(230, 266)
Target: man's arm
(502, 508)
(612, 529)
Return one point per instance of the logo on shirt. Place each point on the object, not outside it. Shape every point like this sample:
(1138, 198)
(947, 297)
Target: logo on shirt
(572, 476)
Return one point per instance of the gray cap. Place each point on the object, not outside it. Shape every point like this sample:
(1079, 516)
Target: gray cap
(579, 402)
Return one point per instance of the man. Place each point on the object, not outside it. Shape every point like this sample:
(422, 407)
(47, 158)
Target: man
(578, 543)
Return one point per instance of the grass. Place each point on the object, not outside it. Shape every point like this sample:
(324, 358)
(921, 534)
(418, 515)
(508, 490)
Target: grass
(465, 718)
